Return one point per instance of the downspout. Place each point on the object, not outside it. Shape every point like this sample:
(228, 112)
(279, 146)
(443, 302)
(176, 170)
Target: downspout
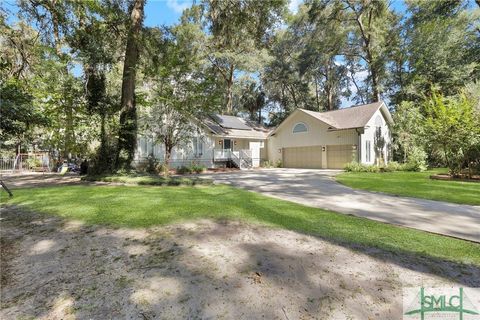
(359, 147)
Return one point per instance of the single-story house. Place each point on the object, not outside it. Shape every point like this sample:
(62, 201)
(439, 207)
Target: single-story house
(305, 139)
(217, 141)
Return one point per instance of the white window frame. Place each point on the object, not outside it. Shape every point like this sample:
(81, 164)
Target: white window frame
(300, 123)
(368, 150)
(197, 146)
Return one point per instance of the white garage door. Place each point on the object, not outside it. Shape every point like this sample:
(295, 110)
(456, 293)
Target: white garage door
(303, 157)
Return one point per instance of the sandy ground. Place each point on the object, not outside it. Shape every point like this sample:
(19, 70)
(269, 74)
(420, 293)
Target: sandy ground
(57, 269)
(53, 268)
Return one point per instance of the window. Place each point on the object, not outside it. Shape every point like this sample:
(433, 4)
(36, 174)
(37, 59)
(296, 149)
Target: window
(367, 151)
(197, 146)
(300, 127)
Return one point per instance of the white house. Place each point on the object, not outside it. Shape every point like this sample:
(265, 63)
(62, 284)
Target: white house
(305, 139)
(218, 141)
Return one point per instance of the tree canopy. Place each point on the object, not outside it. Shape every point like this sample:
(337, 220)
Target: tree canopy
(76, 76)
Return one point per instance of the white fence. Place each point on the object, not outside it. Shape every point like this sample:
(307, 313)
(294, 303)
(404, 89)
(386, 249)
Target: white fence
(26, 163)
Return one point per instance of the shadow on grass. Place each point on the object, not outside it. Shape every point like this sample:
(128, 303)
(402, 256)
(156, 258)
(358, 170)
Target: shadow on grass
(91, 272)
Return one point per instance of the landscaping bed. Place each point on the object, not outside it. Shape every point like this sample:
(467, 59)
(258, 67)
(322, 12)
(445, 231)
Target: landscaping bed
(448, 177)
(146, 179)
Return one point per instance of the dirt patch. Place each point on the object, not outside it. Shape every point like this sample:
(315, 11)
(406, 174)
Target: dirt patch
(59, 269)
(30, 180)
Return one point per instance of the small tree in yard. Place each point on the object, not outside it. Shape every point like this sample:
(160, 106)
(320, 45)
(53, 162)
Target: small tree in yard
(409, 136)
(452, 129)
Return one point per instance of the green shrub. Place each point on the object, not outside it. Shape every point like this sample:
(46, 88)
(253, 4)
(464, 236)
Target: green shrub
(416, 161)
(356, 167)
(162, 169)
(198, 168)
(184, 170)
(360, 167)
(267, 164)
(391, 167)
(33, 162)
(278, 164)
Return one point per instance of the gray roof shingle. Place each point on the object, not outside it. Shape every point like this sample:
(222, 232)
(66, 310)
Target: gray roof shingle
(347, 118)
(236, 127)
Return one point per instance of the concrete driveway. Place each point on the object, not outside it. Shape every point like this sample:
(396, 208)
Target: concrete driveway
(318, 188)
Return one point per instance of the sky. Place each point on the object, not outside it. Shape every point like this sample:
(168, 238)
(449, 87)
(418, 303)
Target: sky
(168, 12)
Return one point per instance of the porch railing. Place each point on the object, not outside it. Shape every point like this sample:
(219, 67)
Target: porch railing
(241, 158)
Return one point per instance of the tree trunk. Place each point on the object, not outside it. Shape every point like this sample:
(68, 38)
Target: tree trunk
(127, 137)
(317, 98)
(375, 89)
(67, 105)
(229, 81)
(168, 154)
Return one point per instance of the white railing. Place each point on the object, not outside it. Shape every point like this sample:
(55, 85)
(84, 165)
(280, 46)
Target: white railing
(241, 158)
(222, 154)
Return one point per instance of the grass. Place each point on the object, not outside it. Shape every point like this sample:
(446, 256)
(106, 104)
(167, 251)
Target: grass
(152, 180)
(414, 184)
(143, 206)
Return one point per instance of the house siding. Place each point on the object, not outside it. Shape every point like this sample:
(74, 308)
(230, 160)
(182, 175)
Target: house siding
(369, 135)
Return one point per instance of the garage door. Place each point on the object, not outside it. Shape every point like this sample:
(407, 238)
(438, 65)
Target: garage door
(303, 157)
(339, 155)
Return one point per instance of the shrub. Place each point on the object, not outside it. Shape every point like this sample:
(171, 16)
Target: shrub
(162, 169)
(33, 162)
(267, 164)
(278, 164)
(359, 167)
(392, 166)
(198, 168)
(416, 161)
(184, 170)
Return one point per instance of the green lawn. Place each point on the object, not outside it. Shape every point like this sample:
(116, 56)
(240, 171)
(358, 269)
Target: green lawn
(144, 206)
(414, 184)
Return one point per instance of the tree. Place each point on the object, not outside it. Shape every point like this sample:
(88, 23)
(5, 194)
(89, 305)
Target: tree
(250, 98)
(127, 136)
(443, 47)
(239, 35)
(324, 37)
(19, 116)
(452, 128)
(369, 42)
(179, 86)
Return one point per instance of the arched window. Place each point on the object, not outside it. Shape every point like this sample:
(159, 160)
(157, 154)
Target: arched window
(300, 127)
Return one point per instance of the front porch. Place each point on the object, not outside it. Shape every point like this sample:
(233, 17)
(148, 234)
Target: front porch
(241, 159)
(241, 153)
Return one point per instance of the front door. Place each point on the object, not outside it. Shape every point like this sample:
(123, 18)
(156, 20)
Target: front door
(227, 144)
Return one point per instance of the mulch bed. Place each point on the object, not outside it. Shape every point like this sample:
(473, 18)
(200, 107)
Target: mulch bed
(444, 176)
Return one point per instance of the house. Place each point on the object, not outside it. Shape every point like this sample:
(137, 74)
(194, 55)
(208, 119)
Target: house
(305, 139)
(218, 141)
(309, 139)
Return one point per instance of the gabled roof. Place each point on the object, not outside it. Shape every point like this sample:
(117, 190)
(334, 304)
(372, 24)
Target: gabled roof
(346, 118)
(234, 127)
(352, 117)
